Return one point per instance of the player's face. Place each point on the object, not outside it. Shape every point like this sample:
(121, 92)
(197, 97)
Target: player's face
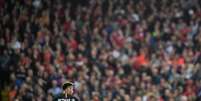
(69, 90)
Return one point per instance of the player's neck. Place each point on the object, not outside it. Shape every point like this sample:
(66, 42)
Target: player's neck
(67, 95)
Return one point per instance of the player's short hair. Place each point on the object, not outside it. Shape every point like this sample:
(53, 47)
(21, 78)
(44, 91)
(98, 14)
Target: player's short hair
(66, 85)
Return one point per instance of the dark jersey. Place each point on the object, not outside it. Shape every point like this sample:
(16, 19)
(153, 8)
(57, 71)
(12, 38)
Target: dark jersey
(63, 98)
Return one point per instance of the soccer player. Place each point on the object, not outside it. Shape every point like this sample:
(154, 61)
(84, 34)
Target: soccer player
(67, 94)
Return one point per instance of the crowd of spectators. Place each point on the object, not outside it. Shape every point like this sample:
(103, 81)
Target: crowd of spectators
(112, 50)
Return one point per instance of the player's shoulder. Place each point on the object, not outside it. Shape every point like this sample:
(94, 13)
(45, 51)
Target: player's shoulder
(58, 97)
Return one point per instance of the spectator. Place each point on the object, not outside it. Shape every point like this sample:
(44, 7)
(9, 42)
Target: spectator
(111, 49)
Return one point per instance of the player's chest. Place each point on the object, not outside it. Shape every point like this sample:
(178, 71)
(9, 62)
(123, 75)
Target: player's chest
(67, 99)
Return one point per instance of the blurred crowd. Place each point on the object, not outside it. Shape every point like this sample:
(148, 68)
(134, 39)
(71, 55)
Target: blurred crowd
(112, 50)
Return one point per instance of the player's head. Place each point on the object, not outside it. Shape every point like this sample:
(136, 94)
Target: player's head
(68, 88)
